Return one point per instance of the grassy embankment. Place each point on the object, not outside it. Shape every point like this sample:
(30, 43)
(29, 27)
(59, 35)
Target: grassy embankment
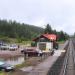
(61, 42)
(2, 73)
(7, 73)
(14, 40)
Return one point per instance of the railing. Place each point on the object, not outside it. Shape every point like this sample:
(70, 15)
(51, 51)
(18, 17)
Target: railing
(65, 64)
(66, 44)
(56, 68)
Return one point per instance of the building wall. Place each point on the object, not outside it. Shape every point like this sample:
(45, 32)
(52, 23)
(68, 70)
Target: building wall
(45, 46)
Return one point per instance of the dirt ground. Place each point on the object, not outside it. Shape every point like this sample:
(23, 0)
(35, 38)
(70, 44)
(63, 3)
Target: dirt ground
(8, 54)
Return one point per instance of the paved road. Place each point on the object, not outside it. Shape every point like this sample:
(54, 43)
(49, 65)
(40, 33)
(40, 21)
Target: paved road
(61, 46)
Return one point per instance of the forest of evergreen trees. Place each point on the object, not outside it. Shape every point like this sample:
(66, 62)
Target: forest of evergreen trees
(62, 36)
(13, 29)
(16, 30)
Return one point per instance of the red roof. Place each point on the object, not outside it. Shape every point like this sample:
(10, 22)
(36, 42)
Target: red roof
(48, 36)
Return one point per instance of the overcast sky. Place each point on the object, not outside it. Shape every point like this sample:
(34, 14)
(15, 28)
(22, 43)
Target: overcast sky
(60, 14)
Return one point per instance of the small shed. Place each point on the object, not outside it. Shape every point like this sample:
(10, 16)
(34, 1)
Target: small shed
(45, 42)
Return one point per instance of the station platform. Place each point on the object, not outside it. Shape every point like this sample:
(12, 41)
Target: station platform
(43, 67)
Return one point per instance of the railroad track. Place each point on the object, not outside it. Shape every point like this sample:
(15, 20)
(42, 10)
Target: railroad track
(69, 60)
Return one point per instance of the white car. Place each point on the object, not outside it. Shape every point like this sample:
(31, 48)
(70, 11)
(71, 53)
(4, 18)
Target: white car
(4, 47)
(13, 47)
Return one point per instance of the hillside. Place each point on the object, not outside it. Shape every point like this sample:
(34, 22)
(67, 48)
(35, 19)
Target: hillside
(16, 30)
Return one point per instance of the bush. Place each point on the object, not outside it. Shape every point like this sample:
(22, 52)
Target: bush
(33, 44)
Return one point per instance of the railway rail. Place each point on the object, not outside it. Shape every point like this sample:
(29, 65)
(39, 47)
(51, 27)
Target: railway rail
(56, 68)
(65, 65)
(69, 60)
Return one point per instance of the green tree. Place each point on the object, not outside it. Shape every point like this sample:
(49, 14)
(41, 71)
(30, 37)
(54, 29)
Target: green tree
(13, 29)
(48, 29)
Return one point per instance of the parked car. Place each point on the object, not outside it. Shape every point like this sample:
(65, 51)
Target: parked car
(6, 67)
(4, 46)
(13, 47)
(23, 50)
(32, 52)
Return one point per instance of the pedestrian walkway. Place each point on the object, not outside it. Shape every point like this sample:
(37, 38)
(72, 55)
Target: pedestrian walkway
(43, 67)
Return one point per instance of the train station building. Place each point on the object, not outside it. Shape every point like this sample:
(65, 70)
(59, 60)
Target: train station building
(45, 42)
